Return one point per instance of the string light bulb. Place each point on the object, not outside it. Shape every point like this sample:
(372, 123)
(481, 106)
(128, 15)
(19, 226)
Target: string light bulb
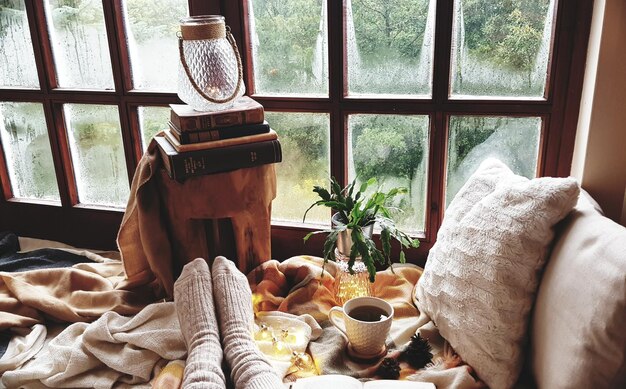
(264, 333)
(280, 349)
(303, 361)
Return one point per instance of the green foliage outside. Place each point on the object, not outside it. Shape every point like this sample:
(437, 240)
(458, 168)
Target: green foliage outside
(151, 22)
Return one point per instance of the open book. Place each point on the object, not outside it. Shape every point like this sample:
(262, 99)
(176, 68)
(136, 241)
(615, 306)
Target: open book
(347, 382)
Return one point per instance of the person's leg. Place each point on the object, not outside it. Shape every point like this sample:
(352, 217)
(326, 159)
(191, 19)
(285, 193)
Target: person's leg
(193, 296)
(233, 300)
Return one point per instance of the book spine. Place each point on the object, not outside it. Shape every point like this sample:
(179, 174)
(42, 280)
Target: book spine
(218, 120)
(189, 137)
(202, 162)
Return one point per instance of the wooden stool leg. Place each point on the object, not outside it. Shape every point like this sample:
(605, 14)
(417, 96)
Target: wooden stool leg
(188, 241)
(252, 230)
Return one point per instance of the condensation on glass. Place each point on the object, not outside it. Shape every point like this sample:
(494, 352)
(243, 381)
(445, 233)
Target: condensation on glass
(472, 139)
(17, 62)
(501, 48)
(151, 121)
(27, 150)
(305, 141)
(289, 46)
(394, 149)
(390, 46)
(79, 44)
(95, 140)
(151, 28)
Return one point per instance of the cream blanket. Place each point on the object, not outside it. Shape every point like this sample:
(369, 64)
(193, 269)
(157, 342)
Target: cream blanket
(113, 351)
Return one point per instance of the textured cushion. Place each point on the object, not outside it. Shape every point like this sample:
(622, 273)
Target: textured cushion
(578, 331)
(482, 273)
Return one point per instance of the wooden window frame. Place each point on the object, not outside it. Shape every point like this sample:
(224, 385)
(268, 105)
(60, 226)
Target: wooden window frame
(93, 227)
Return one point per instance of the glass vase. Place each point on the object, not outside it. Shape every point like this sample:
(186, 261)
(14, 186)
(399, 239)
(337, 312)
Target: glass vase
(210, 74)
(349, 285)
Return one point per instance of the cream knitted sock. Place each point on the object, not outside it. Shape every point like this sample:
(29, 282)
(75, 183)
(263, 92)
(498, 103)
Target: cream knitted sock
(233, 300)
(193, 296)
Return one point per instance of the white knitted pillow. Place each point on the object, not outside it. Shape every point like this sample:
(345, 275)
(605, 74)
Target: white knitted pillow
(481, 276)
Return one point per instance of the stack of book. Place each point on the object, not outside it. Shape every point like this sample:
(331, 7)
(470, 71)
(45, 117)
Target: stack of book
(199, 143)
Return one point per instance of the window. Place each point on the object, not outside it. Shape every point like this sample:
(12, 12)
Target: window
(81, 91)
(416, 93)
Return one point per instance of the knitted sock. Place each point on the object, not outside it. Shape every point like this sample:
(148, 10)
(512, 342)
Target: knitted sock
(193, 295)
(233, 300)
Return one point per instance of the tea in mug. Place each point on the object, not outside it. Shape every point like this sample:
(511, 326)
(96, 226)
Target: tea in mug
(368, 313)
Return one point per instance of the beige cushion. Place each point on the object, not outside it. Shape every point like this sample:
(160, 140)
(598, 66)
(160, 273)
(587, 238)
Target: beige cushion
(482, 273)
(579, 325)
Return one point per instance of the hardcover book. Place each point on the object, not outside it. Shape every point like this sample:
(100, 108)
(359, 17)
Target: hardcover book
(180, 166)
(346, 382)
(208, 135)
(244, 111)
(271, 135)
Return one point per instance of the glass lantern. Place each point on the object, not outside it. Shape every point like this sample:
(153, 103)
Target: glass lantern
(210, 74)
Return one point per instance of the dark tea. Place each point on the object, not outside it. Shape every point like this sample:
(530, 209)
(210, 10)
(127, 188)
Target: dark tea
(368, 313)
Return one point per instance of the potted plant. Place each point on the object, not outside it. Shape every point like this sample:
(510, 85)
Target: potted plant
(352, 224)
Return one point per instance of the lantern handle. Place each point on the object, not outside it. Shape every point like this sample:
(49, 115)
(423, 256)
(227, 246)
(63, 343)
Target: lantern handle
(233, 44)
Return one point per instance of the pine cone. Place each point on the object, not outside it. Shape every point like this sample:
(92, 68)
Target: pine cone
(389, 369)
(418, 353)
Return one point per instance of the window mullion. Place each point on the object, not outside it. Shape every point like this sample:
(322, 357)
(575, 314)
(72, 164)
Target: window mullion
(337, 73)
(443, 44)
(116, 36)
(38, 47)
(60, 154)
(58, 134)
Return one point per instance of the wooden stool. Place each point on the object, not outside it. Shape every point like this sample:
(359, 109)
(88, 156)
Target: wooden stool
(197, 208)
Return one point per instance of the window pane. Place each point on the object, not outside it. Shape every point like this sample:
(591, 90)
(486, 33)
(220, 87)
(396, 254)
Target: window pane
(394, 150)
(390, 46)
(305, 140)
(289, 46)
(151, 27)
(18, 60)
(151, 121)
(95, 141)
(27, 150)
(514, 141)
(501, 48)
(79, 44)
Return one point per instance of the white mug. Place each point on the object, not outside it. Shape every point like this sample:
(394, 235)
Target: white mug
(367, 338)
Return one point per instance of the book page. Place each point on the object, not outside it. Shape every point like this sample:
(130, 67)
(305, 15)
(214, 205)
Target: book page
(391, 384)
(328, 381)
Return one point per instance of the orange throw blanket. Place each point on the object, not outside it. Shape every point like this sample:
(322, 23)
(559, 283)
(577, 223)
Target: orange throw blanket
(297, 286)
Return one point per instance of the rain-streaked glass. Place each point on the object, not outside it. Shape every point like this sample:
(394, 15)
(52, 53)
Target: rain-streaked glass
(26, 146)
(151, 121)
(390, 46)
(97, 152)
(151, 27)
(305, 141)
(79, 44)
(501, 48)
(394, 150)
(17, 62)
(289, 46)
(514, 141)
